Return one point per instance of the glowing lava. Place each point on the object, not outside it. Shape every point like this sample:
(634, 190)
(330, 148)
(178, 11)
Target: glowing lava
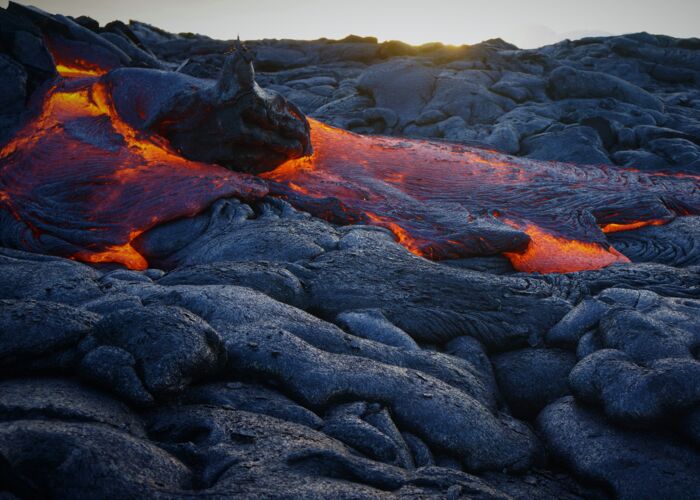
(547, 253)
(80, 182)
(615, 228)
(445, 200)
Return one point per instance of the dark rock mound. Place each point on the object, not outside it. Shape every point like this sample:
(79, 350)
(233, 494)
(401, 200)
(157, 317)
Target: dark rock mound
(630, 464)
(37, 332)
(140, 353)
(530, 379)
(85, 460)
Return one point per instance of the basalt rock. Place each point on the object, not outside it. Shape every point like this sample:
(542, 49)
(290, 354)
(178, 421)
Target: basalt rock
(31, 276)
(244, 454)
(530, 379)
(232, 121)
(64, 399)
(431, 302)
(272, 279)
(232, 310)
(230, 231)
(630, 464)
(674, 244)
(73, 460)
(250, 397)
(165, 348)
(640, 363)
(34, 330)
(636, 394)
(274, 353)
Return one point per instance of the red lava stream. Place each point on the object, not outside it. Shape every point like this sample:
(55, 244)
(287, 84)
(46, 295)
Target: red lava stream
(85, 184)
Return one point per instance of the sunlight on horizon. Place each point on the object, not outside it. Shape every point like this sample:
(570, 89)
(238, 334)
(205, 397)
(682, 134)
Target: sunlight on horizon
(527, 24)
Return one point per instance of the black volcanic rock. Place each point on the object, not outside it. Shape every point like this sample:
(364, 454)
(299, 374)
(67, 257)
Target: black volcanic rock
(244, 127)
(431, 302)
(230, 231)
(633, 393)
(630, 464)
(231, 309)
(566, 83)
(170, 348)
(674, 244)
(530, 379)
(94, 460)
(281, 355)
(32, 330)
(64, 399)
(32, 276)
(250, 397)
(269, 278)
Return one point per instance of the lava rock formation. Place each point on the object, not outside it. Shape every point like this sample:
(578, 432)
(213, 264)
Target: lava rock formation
(262, 351)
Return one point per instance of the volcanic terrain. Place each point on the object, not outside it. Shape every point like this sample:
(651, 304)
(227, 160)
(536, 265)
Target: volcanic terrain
(344, 268)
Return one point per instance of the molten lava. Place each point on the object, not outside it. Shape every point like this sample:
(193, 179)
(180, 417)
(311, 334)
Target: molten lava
(78, 181)
(547, 253)
(445, 200)
(84, 184)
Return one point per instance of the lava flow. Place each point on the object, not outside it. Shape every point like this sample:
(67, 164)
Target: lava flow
(81, 183)
(78, 181)
(445, 200)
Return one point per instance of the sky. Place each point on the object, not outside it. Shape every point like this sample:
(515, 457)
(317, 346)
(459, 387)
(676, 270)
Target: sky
(527, 24)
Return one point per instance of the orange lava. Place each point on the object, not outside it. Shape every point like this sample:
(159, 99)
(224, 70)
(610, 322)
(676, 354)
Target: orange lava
(84, 184)
(77, 70)
(547, 253)
(412, 244)
(614, 228)
(431, 195)
(124, 254)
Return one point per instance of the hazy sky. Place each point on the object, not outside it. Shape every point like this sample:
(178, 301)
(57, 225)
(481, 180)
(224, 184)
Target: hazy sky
(526, 23)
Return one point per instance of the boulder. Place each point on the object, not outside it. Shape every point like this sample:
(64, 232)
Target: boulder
(171, 347)
(578, 321)
(529, 379)
(574, 144)
(372, 324)
(400, 85)
(631, 464)
(636, 395)
(458, 95)
(566, 82)
(244, 128)
(31, 330)
(520, 87)
(31, 276)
